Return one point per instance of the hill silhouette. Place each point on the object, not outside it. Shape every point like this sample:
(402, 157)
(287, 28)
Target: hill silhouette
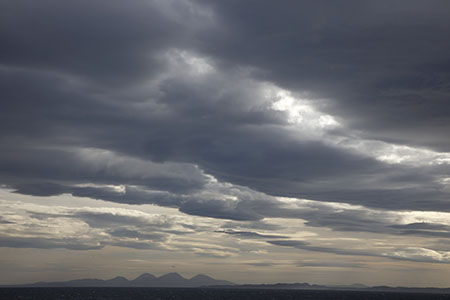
(143, 280)
(175, 280)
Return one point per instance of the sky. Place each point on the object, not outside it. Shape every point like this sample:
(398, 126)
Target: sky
(253, 141)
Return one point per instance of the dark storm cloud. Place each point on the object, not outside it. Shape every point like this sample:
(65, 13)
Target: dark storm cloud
(98, 93)
(111, 43)
(36, 171)
(383, 66)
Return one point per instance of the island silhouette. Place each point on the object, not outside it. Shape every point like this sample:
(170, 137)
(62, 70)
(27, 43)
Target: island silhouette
(175, 280)
(144, 280)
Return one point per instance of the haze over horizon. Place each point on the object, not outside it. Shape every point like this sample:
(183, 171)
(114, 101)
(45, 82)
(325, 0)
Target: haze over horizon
(252, 141)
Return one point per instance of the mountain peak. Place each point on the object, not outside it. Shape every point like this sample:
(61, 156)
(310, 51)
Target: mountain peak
(172, 275)
(145, 276)
(119, 278)
(205, 280)
(144, 280)
(201, 276)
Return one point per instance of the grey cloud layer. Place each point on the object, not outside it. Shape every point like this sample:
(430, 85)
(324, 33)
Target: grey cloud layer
(43, 227)
(384, 66)
(410, 254)
(96, 95)
(83, 228)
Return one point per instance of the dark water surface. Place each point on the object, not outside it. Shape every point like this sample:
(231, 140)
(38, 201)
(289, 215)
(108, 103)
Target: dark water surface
(199, 294)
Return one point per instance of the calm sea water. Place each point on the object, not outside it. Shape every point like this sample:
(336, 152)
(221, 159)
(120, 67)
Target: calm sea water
(199, 294)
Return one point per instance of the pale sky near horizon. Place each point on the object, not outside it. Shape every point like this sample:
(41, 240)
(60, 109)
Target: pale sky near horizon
(253, 141)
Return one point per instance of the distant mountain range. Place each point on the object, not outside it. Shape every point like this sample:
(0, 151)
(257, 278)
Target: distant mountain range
(176, 280)
(144, 280)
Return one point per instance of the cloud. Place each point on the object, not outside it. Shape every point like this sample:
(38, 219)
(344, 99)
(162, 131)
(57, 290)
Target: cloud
(261, 225)
(420, 254)
(170, 133)
(47, 243)
(328, 264)
(3, 221)
(111, 45)
(40, 172)
(307, 246)
(227, 112)
(422, 226)
(416, 254)
(36, 226)
(378, 76)
(123, 232)
(107, 146)
(262, 264)
(251, 235)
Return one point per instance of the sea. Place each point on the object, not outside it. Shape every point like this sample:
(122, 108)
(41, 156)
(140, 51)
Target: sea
(202, 294)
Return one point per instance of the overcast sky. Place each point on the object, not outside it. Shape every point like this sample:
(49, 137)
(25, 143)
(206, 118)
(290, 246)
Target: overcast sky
(254, 141)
